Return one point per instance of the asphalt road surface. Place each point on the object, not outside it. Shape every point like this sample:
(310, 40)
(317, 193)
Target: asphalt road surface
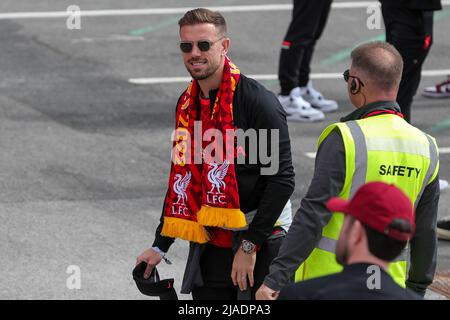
(85, 153)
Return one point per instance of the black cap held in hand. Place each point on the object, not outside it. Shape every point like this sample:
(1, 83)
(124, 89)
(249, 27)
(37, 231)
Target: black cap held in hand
(153, 286)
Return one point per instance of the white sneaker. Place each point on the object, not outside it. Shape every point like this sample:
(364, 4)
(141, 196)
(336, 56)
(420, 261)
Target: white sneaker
(440, 90)
(316, 99)
(298, 109)
(443, 229)
(443, 184)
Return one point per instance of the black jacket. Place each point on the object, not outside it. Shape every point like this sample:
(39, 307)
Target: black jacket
(312, 216)
(254, 107)
(430, 5)
(356, 282)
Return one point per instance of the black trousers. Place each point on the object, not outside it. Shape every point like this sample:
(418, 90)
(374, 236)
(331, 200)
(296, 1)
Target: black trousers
(410, 31)
(308, 22)
(216, 264)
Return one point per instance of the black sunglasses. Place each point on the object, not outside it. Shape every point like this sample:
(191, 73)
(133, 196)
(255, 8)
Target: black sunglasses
(347, 76)
(203, 45)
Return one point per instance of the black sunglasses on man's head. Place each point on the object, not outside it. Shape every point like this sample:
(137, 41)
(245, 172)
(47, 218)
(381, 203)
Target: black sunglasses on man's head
(347, 76)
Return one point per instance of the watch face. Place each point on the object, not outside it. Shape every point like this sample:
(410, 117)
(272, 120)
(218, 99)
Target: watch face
(247, 246)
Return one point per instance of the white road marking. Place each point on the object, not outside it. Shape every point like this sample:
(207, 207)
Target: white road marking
(433, 73)
(160, 80)
(109, 39)
(180, 10)
(444, 150)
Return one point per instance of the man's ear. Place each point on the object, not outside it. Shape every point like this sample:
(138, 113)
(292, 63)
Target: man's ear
(225, 45)
(357, 232)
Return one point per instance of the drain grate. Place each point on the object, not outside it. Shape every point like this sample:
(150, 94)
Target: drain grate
(441, 283)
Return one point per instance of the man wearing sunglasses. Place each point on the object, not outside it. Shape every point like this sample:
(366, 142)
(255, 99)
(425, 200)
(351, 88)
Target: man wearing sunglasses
(373, 143)
(206, 201)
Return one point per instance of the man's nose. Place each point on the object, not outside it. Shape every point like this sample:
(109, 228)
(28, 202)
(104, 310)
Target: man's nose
(195, 51)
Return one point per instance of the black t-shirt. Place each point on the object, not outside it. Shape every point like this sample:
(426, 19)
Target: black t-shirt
(355, 282)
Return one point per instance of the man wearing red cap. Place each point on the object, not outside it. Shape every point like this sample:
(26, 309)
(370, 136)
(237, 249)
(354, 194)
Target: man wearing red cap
(373, 143)
(379, 221)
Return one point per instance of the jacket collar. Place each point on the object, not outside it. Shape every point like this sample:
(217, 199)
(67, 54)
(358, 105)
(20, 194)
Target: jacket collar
(361, 267)
(371, 107)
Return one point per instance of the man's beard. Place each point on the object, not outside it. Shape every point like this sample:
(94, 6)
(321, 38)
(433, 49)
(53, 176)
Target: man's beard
(210, 70)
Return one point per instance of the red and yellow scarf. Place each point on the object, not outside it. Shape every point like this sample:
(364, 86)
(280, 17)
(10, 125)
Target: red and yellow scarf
(206, 193)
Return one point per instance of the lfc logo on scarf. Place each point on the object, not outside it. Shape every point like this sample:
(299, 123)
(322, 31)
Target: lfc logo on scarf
(206, 193)
(216, 175)
(179, 187)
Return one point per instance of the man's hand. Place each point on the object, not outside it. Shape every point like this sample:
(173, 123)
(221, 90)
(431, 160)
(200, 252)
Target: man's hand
(152, 258)
(265, 293)
(243, 266)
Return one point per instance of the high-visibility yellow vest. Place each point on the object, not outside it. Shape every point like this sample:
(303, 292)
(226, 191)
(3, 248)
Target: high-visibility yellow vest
(379, 148)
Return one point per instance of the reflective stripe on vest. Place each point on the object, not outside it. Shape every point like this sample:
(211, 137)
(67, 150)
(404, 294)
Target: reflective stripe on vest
(327, 244)
(385, 139)
(359, 177)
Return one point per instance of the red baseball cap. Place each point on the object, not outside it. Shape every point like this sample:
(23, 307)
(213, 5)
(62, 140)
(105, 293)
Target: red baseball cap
(380, 206)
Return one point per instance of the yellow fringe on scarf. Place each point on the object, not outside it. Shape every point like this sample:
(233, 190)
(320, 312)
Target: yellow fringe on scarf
(221, 217)
(184, 229)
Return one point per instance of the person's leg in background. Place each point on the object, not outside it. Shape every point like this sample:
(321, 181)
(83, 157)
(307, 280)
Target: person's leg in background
(300, 35)
(411, 33)
(314, 97)
(304, 70)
